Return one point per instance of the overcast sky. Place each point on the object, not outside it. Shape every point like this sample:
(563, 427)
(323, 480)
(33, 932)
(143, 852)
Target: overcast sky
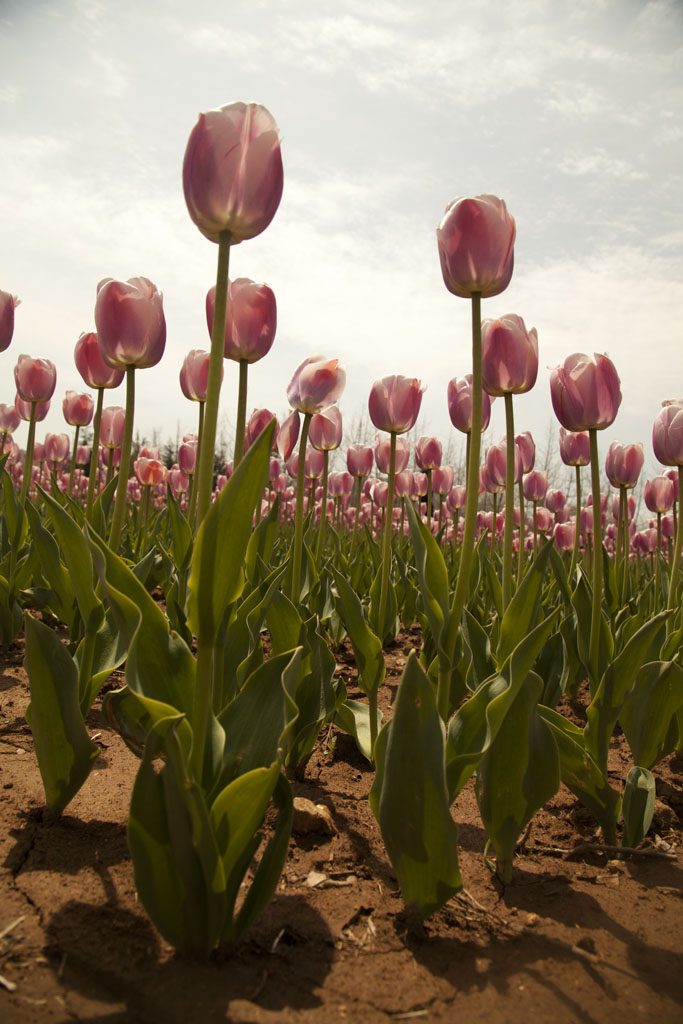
(387, 111)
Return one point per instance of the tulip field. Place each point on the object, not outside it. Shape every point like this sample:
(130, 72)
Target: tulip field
(333, 709)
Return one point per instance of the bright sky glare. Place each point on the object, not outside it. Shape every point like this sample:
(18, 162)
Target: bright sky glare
(570, 112)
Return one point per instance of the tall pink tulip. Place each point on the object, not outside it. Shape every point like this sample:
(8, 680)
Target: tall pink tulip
(77, 409)
(383, 454)
(659, 494)
(359, 460)
(317, 383)
(112, 426)
(459, 394)
(35, 379)
(9, 419)
(23, 409)
(574, 447)
(394, 403)
(509, 354)
(585, 392)
(92, 367)
(194, 375)
(232, 171)
(624, 463)
(288, 435)
(667, 434)
(258, 421)
(250, 321)
(476, 239)
(8, 302)
(428, 453)
(131, 326)
(325, 432)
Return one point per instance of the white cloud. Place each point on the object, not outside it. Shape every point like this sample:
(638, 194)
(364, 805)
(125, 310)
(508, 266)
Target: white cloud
(601, 164)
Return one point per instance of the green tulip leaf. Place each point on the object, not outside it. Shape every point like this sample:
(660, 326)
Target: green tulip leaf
(353, 717)
(367, 647)
(649, 709)
(74, 547)
(638, 806)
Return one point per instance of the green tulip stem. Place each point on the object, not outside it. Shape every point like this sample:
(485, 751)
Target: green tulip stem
(28, 457)
(596, 615)
(386, 543)
(192, 505)
(299, 511)
(494, 520)
(577, 524)
(213, 389)
(124, 467)
(72, 467)
(509, 500)
(675, 568)
(429, 498)
(522, 532)
(241, 413)
(323, 512)
(535, 507)
(94, 454)
(470, 525)
(201, 709)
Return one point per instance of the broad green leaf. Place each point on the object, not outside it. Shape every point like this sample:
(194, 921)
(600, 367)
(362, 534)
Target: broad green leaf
(63, 601)
(639, 805)
(64, 751)
(284, 624)
(262, 540)
(353, 717)
(388, 629)
(13, 513)
(649, 709)
(432, 576)
(74, 548)
(523, 610)
(181, 533)
(582, 600)
(477, 640)
(10, 614)
(216, 575)
(410, 799)
(367, 647)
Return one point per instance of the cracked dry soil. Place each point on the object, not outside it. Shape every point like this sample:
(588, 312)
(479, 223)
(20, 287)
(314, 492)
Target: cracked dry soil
(574, 938)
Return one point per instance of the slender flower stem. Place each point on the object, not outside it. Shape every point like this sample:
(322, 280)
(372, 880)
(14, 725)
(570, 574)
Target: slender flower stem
(386, 544)
(577, 524)
(522, 532)
(429, 499)
(299, 511)
(94, 454)
(470, 525)
(192, 505)
(124, 466)
(213, 390)
(323, 512)
(241, 413)
(596, 616)
(509, 500)
(28, 457)
(676, 558)
(72, 467)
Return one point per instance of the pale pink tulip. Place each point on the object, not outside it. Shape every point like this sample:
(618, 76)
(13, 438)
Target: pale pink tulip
(476, 239)
(585, 392)
(131, 327)
(394, 403)
(509, 355)
(317, 383)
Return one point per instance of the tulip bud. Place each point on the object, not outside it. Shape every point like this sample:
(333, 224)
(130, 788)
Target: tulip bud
(194, 375)
(78, 409)
(8, 303)
(585, 392)
(359, 459)
(35, 379)
(624, 463)
(394, 403)
(130, 322)
(250, 319)
(92, 367)
(325, 432)
(575, 447)
(459, 394)
(476, 239)
(428, 453)
(317, 383)
(667, 434)
(509, 355)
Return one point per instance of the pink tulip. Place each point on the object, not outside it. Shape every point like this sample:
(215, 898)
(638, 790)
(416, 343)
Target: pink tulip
(178, 480)
(420, 485)
(194, 375)
(544, 520)
(394, 403)
(8, 302)
(314, 463)
(575, 447)
(56, 447)
(527, 450)
(187, 458)
(555, 500)
(563, 535)
(232, 171)
(23, 410)
(35, 379)
(258, 421)
(250, 319)
(659, 494)
(496, 464)
(442, 479)
(131, 327)
(586, 519)
(476, 239)
(486, 483)
(624, 463)
(667, 434)
(9, 419)
(359, 459)
(288, 435)
(456, 499)
(317, 383)
(668, 527)
(459, 394)
(78, 409)
(403, 484)
(383, 451)
(535, 485)
(150, 472)
(325, 431)
(111, 426)
(82, 455)
(509, 354)
(92, 367)
(585, 392)
(428, 453)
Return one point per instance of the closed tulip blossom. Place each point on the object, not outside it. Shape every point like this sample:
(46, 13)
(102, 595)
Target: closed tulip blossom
(91, 365)
(659, 494)
(56, 447)
(78, 409)
(187, 458)
(111, 426)
(394, 403)
(496, 464)
(8, 303)
(23, 409)
(35, 379)
(325, 431)
(150, 472)
(667, 434)
(527, 450)
(194, 375)
(459, 394)
(428, 453)
(9, 419)
(359, 460)
(574, 447)
(232, 171)
(288, 435)
(131, 327)
(509, 355)
(383, 453)
(585, 392)
(624, 463)
(250, 320)
(555, 500)
(316, 384)
(476, 239)
(442, 480)
(258, 421)
(535, 485)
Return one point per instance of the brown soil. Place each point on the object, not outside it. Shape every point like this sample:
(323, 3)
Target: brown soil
(574, 938)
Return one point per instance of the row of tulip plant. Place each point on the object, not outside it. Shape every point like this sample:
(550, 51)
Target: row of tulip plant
(517, 610)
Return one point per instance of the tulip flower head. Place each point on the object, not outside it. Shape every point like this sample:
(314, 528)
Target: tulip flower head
(131, 326)
(232, 171)
(359, 459)
(288, 435)
(35, 379)
(250, 319)
(667, 434)
(9, 419)
(575, 447)
(509, 356)
(428, 453)
(8, 303)
(92, 367)
(585, 392)
(325, 432)
(527, 450)
(394, 403)
(624, 463)
(383, 454)
(459, 394)
(78, 409)
(476, 239)
(317, 383)
(194, 375)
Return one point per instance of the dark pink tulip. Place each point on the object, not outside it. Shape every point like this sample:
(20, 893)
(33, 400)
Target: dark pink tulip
(317, 383)
(194, 375)
(35, 379)
(544, 520)
(585, 392)
(509, 356)
(394, 403)
(673, 475)
(258, 421)
(527, 450)
(9, 419)
(428, 453)
(563, 535)
(179, 481)
(325, 431)
(78, 409)
(131, 328)
(92, 367)
(232, 171)
(586, 519)
(476, 239)
(56, 447)
(383, 451)
(288, 435)
(111, 426)
(535, 485)
(250, 319)
(575, 447)
(459, 394)
(456, 499)
(624, 463)
(487, 483)
(359, 459)
(659, 494)
(187, 457)
(8, 302)
(442, 479)
(555, 500)
(667, 434)
(668, 526)
(496, 464)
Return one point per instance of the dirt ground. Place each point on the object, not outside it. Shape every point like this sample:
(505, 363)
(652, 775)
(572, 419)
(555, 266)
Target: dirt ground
(574, 938)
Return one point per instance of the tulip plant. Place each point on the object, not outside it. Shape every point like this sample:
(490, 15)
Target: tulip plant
(219, 719)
